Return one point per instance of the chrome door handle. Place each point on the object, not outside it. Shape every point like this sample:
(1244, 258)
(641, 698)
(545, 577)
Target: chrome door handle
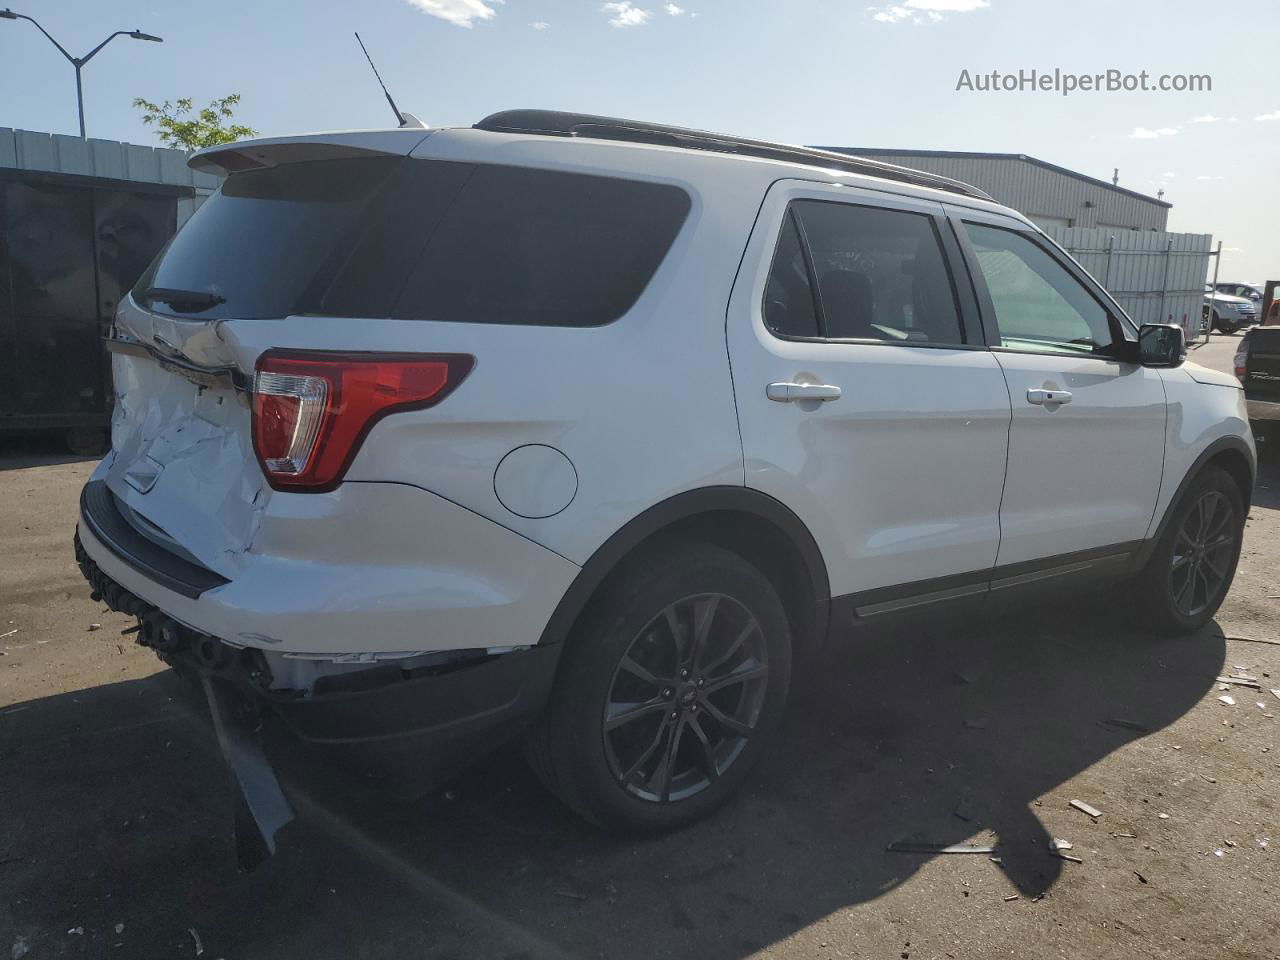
(788, 392)
(1044, 397)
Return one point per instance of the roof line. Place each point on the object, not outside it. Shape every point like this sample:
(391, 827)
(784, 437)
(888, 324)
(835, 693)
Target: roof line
(982, 155)
(554, 123)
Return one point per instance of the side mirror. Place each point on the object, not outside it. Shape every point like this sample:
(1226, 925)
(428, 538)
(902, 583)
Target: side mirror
(1161, 345)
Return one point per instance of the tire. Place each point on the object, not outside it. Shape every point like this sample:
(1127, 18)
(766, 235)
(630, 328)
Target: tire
(87, 441)
(1170, 603)
(720, 727)
(1225, 326)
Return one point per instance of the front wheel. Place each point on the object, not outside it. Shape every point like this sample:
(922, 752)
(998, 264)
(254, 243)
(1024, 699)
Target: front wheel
(1225, 326)
(1192, 566)
(670, 688)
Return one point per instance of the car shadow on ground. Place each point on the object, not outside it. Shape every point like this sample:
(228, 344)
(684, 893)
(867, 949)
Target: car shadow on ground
(117, 810)
(19, 451)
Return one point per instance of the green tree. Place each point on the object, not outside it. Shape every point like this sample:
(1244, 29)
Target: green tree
(178, 125)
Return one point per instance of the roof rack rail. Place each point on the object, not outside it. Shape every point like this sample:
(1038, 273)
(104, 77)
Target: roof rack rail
(554, 123)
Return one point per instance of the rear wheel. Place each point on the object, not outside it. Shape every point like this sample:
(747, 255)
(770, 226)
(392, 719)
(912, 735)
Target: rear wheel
(671, 687)
(1191, 569)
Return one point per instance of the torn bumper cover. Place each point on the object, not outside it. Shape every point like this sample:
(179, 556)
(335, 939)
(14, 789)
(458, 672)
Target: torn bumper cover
(389, 719)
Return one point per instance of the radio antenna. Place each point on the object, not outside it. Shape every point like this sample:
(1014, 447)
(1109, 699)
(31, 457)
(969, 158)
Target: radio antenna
(394, 109)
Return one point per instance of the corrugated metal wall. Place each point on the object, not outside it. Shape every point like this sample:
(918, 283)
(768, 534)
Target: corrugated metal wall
(1156, 277)
(1039, 192)
(110, 159)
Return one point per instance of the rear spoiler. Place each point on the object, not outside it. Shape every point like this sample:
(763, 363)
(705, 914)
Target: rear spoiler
(230, 158)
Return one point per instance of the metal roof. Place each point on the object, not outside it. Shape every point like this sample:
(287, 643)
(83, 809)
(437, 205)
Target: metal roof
(980, 155)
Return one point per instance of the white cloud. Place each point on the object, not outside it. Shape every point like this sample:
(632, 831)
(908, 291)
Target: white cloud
(924, 11)
(1205, 176)
(1273, 115)
(1207, 118)
(458, 12)
(1168, 174)
(674, 10)
(626, 14)
(539, 25)
(1142, 133)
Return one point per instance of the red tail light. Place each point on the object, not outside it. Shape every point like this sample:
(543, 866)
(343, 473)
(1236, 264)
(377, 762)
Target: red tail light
(312, 409)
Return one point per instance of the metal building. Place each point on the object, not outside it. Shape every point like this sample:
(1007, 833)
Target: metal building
(1048, 195)
(79, 222)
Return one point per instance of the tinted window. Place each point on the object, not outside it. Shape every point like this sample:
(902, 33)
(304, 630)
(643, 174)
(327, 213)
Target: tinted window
(540, 247)
(880, 274)
(1039, 306)
(261, 241)
(418, 239)
(788, 297)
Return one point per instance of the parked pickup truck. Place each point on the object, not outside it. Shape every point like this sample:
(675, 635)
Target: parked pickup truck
(1258, 367)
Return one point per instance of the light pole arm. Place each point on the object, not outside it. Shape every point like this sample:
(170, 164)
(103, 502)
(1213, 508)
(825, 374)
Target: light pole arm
(61, 49)
(89, 56)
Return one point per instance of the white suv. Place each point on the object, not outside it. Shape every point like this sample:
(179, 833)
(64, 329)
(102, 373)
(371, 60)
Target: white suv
(592, 429)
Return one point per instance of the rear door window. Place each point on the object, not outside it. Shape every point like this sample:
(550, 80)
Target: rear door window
(418, 239)
(880, 274)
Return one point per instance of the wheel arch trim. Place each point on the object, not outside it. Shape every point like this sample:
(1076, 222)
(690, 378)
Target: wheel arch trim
(689, 505)
(1217, 447)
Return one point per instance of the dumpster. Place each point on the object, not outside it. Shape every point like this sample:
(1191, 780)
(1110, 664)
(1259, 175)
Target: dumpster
(70, 248)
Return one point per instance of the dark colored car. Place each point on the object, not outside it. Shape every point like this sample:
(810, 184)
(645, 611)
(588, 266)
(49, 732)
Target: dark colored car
(1258, 367)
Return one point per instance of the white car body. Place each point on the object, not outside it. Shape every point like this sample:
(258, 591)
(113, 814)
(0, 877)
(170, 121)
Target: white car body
(484, 523)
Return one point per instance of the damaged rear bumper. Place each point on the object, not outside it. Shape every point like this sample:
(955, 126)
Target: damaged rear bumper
(408, 721)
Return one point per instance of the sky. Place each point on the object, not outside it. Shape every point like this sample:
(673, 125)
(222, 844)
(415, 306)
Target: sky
(834, 72)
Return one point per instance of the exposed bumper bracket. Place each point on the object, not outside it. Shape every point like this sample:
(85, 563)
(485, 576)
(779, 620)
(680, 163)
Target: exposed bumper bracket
(261, 806)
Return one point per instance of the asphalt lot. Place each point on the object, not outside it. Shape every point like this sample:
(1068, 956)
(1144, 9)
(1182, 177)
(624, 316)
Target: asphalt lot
(114, 812)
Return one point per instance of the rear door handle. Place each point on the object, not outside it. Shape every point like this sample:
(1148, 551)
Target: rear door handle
(788, 392)
(1043, 397)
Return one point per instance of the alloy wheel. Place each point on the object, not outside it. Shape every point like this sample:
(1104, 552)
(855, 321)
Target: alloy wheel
(685, 698)
(1202, 553)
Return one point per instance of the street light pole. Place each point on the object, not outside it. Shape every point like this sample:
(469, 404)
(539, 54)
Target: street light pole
(79, 62)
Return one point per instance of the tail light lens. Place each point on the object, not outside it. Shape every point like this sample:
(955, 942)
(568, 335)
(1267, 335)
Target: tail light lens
(312, 409)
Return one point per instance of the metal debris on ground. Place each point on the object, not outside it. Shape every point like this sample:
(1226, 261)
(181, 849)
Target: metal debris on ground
(1275, 692)
(1141, 878)
(1125, 836)
(1067, 856)
(94, 626)
(10, 633)
(196, 937)
(1056, 844)
(76, 931)
(1164, 816)
(1209, 778)
(119, 928)
(1012, 896)
(569, 894)
(1126, 724)
(1086, 809)
(1229, 701)
(1241, 682)
(964, 809)
(925, 846)
(1274, 643)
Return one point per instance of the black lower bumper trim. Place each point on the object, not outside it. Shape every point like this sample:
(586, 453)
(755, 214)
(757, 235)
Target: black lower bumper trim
(98, 511)
(408, 726)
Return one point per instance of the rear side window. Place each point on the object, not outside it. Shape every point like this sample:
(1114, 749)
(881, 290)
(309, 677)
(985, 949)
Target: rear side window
(418, 239)
(545, 248)
(878, 274)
